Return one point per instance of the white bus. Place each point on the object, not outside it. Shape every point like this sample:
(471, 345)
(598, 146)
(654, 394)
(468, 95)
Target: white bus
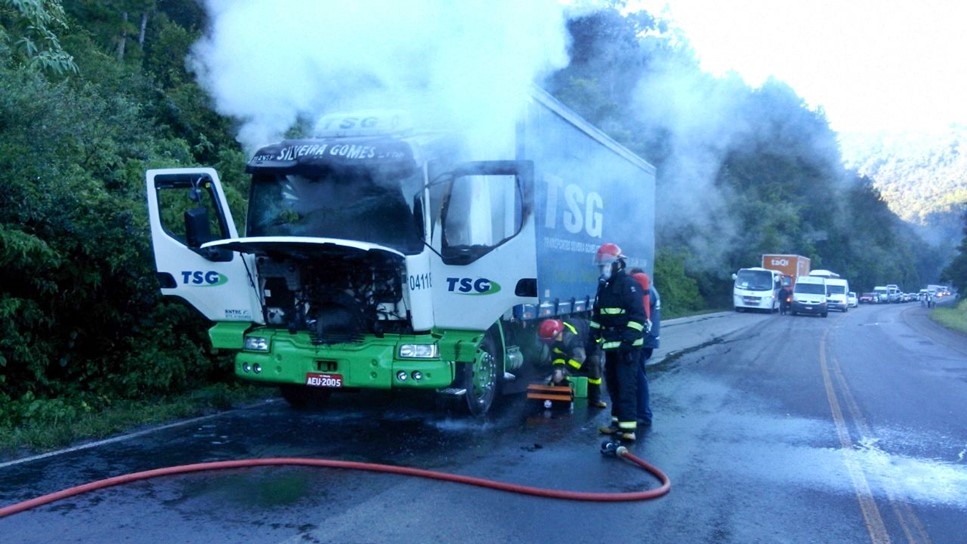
(756, 289)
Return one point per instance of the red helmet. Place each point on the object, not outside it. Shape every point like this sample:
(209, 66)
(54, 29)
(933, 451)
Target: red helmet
(549, 329)
(607, 254)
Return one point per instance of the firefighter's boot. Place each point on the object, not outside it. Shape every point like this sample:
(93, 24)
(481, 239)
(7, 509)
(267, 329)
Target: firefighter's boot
(610, 429)
(616, 431)
(594, 396)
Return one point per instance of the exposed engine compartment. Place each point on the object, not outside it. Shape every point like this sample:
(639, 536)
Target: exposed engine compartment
(336, 297)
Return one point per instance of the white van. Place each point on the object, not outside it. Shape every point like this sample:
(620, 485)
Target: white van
(837, 294)
(809, 296)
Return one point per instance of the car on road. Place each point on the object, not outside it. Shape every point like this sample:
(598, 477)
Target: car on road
(809, 296)
(851, 300)
(868, 298)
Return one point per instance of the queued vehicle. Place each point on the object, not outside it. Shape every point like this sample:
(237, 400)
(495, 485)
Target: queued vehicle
(851, 300)
(809, 296)
(882, 293)
(837, 292)
(756, 289)
(868, 298)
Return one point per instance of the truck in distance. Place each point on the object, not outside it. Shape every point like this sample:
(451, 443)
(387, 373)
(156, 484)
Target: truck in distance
(381, 254)
(791, 266)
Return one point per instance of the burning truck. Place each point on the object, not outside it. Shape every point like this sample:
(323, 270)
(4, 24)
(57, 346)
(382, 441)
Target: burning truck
(377, 254)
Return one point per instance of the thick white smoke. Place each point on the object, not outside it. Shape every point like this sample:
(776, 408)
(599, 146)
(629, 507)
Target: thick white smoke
(269, 63)
(700, 114)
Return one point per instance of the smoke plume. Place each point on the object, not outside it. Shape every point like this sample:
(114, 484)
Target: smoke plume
(271, 64)
(701, 121)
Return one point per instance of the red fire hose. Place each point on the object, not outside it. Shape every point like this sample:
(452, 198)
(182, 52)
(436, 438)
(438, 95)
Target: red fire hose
(352, 465)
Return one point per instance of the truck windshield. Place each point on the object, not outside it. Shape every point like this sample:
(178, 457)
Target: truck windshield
(754, 280)
(350, 204)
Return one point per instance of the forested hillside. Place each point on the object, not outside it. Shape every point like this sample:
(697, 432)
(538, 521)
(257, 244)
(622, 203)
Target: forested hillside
(922, 177)
(93, 92)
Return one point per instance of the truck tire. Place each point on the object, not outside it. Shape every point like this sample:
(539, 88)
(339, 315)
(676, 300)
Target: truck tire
(484, 376)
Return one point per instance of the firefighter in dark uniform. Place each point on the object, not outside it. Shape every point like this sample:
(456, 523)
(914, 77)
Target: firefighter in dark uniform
(573, 349)
(618, 322)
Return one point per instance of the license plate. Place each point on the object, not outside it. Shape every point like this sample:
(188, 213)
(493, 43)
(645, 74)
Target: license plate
(314, 379)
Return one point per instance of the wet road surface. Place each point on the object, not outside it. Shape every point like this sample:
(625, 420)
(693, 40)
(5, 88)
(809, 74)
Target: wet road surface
(851, 428)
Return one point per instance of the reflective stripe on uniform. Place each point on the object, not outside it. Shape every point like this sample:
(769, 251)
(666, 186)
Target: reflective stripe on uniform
(636, 326)
(557, 362)
(637, 343)
(612, 311)
(574, 363)
(594, 381)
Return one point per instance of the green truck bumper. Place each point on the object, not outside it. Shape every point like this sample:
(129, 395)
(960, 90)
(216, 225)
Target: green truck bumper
(372, 363)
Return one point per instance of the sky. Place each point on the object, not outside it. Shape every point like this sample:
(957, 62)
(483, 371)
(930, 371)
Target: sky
(872, 65)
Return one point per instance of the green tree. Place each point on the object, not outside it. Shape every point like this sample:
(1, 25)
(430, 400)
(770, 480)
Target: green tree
(28, 33)
(679, 293)
(83, 316)
(956, 271)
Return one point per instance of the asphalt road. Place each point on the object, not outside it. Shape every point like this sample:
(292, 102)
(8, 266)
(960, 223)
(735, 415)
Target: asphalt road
(771, 428)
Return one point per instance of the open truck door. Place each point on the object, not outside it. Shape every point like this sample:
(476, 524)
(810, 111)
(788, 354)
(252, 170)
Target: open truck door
(187, 208)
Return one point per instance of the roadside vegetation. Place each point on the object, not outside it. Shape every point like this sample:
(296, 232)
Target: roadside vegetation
(94, 92)
(954, 318)
(54, 424)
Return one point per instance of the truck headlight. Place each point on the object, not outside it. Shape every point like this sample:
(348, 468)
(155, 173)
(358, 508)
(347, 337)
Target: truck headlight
(419, 351)
(256, 343)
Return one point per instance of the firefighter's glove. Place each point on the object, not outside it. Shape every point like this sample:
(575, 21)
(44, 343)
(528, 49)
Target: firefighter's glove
(558, 376)
(647, 328)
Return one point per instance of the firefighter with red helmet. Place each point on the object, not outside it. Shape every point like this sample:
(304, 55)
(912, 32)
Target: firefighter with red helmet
(618, 323)
(573, 349)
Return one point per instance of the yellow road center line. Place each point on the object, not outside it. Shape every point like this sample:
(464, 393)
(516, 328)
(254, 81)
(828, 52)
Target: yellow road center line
(871, 514)
(913, 528)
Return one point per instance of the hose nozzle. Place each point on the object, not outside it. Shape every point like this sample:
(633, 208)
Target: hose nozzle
(611, 448)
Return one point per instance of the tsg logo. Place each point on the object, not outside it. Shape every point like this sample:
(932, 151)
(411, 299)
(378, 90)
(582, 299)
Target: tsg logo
(780, 262)
(581, 211)
(210, 278)
(472, 286)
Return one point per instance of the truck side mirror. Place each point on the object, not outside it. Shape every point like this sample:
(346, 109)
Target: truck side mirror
(197, 229)
(418, 217)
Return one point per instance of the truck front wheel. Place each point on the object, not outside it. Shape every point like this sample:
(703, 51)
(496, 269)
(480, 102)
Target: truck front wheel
(483, 376)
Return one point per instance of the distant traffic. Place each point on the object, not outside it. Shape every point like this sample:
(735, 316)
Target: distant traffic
(785, 284)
